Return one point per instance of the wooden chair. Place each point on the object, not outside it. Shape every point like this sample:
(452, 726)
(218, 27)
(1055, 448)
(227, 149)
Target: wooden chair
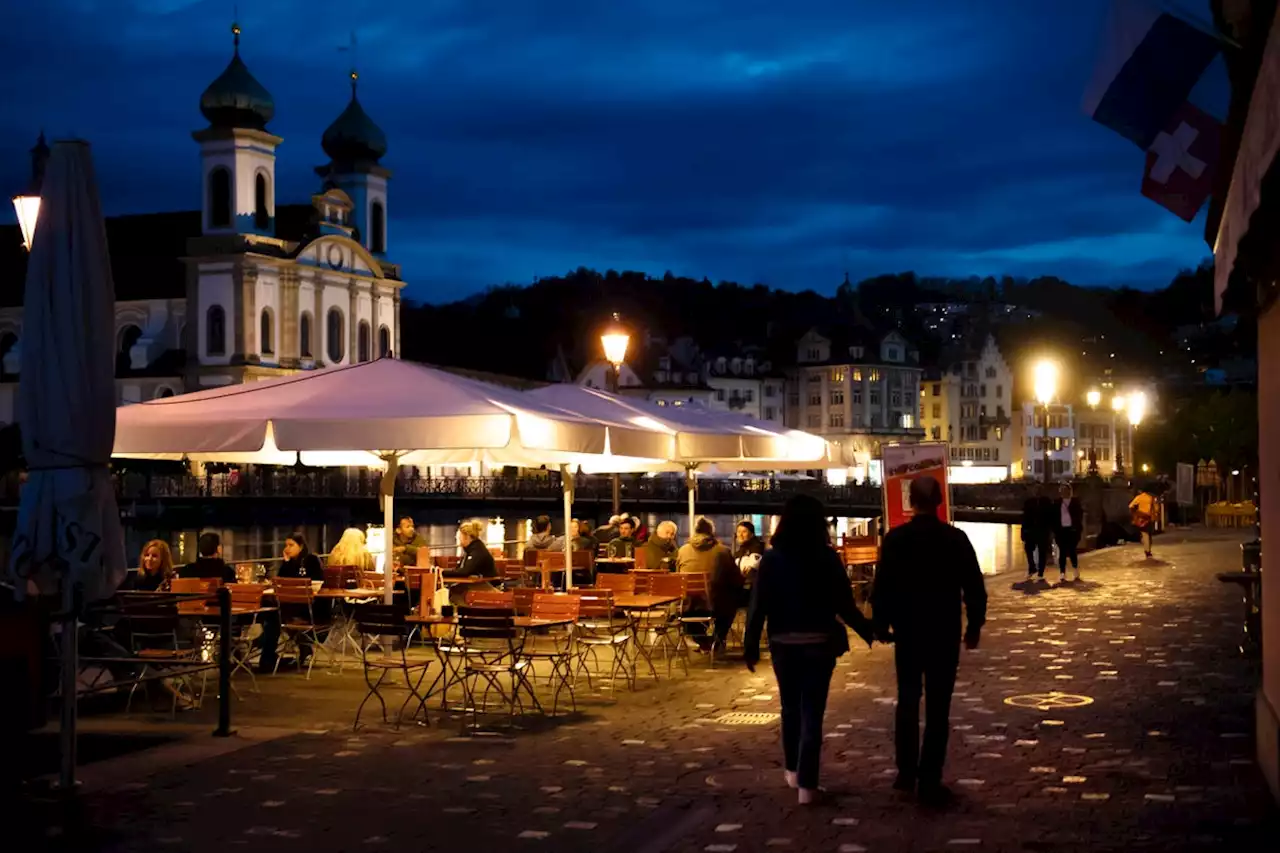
(696, 621)
(556, 644)
(375, 622)
(447, 561)
(618, 584)
(523, 597)
(664, 625)
(601, 627)
(296, 600)
(491, 646)
(339, 577)
(483, 598)
(193, 586)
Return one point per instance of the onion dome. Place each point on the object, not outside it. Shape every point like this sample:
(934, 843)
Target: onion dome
(354, 138)
(236, 99)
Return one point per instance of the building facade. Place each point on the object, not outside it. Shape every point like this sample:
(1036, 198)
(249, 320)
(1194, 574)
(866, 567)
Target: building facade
(969, 404)
(858, 389)
(1030, 442)
(243, 288)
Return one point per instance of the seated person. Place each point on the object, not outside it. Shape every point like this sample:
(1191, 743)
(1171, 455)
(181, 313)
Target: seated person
(748, 551)
(352, 550)
(580, 535)
(155, 569)
(299, 562)
(624, 545)
(209, 562)
(476, 562)
(660, 549)
(405, 543)
(542, 538)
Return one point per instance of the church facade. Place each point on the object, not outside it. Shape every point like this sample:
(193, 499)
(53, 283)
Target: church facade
(241, 289)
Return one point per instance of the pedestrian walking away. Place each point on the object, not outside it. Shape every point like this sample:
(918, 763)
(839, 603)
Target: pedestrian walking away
(927, 567)
(1142, 511)
(803, 594)
(1067, 529)
(1037, 531)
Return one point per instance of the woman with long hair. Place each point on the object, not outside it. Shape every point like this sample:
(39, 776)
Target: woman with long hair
(804, 595)
(352, 551)
(299, 562)
(155, 568)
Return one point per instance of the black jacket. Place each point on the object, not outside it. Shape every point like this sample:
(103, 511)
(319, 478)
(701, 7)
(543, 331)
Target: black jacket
(209, 567)
(803, 594)
(305, 565)
(476, 562)
(926, 568)
(1074, 510)
(1037, 519)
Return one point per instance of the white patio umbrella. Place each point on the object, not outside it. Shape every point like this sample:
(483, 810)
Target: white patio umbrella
(68, 537)
(382, 414)
(699, 436)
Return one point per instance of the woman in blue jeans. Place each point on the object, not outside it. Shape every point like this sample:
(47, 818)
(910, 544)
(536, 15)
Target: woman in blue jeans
(804, 595)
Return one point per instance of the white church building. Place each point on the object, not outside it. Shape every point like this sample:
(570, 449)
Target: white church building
(243, 288)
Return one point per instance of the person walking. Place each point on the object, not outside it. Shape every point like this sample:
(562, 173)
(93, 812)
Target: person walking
(1067, 528)
(1142, 511)
(802, 593)
(1037, 531)
(926, 568)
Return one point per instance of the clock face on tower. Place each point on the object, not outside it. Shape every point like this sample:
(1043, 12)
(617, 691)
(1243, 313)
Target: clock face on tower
(334, 256)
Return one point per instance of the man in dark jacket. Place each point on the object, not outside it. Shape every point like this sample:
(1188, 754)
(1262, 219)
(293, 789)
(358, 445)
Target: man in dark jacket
(1037, 531)
(1068, 518)
(926, 567)
(209, 562)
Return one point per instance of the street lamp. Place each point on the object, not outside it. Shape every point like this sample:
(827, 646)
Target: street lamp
(1093, 398)
(27, 203)
(1137, 407)
(615, 340)
(1045, 385)
(1117, 408)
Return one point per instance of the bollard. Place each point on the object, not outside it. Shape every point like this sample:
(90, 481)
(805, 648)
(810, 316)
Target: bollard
(224, 663)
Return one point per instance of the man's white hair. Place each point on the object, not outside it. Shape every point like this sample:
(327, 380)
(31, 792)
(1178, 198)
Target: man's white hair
(666, 526)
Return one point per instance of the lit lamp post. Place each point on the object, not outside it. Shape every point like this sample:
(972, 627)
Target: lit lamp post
(27, 202)
(1137, 407)
(1093, 398)
(1045, 386)
(1117, 408)
(615, 340)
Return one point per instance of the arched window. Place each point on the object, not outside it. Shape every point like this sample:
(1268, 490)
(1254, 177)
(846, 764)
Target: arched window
(220, 198)
(268, 328)
(261, 218)
(364, 340)
(125, 339)
(377, 228)
(384, 342)
(334, 345)
(304, 335)
(215, 330)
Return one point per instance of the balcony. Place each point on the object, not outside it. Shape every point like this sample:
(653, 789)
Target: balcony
(996, 420)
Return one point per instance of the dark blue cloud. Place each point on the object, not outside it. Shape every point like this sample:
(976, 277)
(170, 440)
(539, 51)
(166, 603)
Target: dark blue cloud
(737, 139)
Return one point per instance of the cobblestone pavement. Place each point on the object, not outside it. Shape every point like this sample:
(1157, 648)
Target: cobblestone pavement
(1158, 754)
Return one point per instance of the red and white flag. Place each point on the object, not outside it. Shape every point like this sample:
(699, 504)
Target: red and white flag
(1181, 162)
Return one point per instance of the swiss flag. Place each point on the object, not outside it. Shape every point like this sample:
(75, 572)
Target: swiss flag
(1181, 161)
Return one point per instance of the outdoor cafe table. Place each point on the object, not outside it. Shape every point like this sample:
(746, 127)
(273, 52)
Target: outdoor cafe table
(615, 564)
(635, 605)
(449, 675)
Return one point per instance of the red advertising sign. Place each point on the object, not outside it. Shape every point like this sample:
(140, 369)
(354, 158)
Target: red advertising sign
(902, 463)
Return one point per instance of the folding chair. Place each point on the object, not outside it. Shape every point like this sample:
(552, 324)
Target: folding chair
(297, 610)
(696, 614)
(556, 644)
(373, 622)
(600, 627)
(491, 646)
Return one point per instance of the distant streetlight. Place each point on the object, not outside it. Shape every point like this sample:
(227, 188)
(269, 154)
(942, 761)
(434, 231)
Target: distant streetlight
(1117, 408)
(27, 203)
(615, 341)
(1137, 407)
(1045, 385)
(1093, 398)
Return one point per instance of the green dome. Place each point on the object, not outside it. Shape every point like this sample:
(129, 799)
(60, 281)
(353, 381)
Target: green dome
(354, 137)
(236, 98)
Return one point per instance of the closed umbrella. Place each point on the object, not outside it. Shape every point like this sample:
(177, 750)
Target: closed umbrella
(68, 539)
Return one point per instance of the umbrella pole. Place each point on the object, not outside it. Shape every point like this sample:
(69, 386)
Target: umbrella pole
(70, 661)
(388, 496)
(566, 487)
(692, 483)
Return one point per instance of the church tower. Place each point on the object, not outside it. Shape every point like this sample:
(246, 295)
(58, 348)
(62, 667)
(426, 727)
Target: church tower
(238, 155)
(355, 144)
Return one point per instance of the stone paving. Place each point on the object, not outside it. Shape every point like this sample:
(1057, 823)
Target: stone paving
(1156, 755)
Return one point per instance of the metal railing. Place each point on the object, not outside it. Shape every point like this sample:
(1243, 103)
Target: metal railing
(340, 484)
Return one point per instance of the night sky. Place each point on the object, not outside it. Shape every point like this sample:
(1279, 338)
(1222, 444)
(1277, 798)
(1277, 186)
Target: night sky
(748, 140)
